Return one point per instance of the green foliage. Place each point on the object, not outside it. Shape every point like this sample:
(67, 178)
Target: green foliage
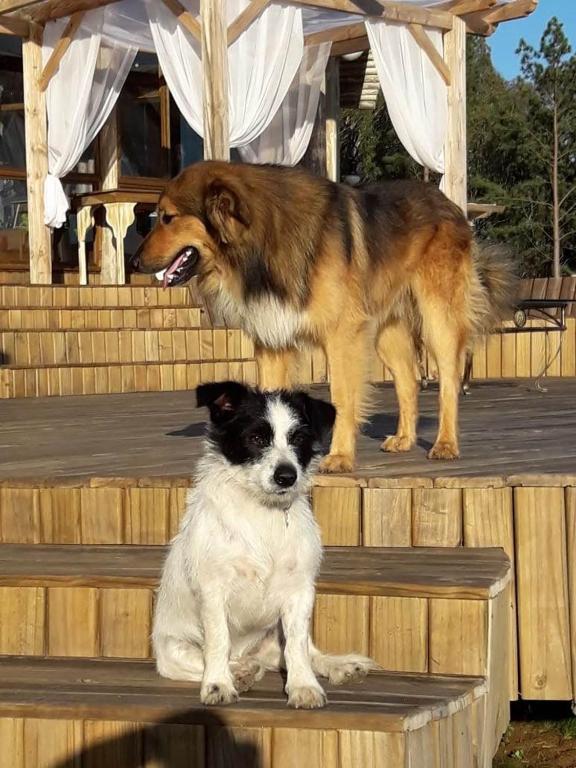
(510, 147)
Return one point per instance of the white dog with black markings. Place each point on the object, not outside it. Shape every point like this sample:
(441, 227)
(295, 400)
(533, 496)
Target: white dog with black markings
(237, 591)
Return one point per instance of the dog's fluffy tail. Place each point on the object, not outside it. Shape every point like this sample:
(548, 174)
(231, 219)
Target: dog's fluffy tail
(495, 286)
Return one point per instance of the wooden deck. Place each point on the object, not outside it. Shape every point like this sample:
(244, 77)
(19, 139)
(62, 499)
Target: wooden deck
(508, 428)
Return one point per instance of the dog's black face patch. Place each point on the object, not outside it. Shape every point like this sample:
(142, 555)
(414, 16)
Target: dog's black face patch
(248, 426)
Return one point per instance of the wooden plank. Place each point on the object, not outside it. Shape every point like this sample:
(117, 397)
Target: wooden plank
(215, 80)
(542, 587)
(436, 517)
(332, 125)
(19, 515)
(147, 515)
(125, 622)
(59, 51)
(338, 513)
(371, 750)
(571, 550)
(12, 740)
(50, 743)
(390, 11)
(568, 353)
(102, 515)
(188, 21)
(112, 744)
(387, 517)
(290, 744)
(72, 627)
(336, 34)
(245, 18)
(175, 745)
(39, 236)
(455, 182)
(488, 522)
(239, 747)
(458, 636)
(22, 612)
(399, 633)
(341, 623)
(419, 34)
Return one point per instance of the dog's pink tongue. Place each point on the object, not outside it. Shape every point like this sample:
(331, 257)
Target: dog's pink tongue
(172, 268)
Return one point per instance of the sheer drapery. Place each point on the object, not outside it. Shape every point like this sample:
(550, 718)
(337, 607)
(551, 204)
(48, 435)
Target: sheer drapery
(416, 95)
(286, 138)
(262, 63)
(79, 99)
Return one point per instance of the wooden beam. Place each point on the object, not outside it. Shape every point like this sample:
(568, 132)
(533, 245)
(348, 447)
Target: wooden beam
(57, 9)
(244, 19)
(215, 79)
(336, 34)
(36, 136)
(460, 7)
(10, 25)
(60, 49)
(515, 10)
(384, 9)
(419, 34)
(455, 182)
(333, 120)
(109, 156)
(350, 46)
(477, 25)
(8, 6)
(185, 18)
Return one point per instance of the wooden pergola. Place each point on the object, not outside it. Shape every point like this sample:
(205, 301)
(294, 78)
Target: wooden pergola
(455, 18)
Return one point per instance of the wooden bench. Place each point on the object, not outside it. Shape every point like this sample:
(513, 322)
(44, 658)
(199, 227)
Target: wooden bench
(120, 212)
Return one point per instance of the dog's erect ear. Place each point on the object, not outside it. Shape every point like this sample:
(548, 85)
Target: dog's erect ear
(226, 211)
(320, 415)
(222, 399)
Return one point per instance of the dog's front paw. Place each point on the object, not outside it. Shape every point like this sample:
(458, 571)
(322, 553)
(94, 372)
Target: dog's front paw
(444, 451)
(337, 462)
(213, 694)
(307, 697)
(246, 673)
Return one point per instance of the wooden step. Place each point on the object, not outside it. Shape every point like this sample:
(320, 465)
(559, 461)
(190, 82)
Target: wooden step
(99, 319)
(114, 714)
(44, 348)
(93, 379)
(18, 296)
(442, 611)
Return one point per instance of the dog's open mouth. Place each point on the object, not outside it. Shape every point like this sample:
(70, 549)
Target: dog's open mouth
(182, 268)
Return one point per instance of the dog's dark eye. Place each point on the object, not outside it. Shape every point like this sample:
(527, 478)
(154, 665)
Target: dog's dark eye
(300, 437)
(260, 440)
(166, 218)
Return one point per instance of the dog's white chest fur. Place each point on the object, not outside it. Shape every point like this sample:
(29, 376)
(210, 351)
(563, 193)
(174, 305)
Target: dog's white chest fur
(266, 319)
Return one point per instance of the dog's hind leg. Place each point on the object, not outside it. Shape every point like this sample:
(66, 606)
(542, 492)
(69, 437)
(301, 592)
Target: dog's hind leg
(178, 659)
(447, 343)
(395, 347)
(340, 669)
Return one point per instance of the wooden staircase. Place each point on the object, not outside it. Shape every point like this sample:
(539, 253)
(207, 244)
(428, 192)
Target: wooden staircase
(106, 340)
(78, 687)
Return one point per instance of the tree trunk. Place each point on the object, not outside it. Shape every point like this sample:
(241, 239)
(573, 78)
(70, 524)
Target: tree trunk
(555, 202)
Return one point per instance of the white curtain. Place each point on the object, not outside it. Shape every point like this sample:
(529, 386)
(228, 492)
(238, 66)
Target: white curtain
(286, 138)
(415, 94)
(262, 63)
(79, 98)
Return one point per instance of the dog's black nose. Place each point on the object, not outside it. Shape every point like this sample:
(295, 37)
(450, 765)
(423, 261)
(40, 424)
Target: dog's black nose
(285, 475)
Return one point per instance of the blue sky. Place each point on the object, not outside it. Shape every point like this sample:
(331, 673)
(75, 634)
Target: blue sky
(506, 38)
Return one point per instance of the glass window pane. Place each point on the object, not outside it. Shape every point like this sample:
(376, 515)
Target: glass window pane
(13, 222)
(12, 146)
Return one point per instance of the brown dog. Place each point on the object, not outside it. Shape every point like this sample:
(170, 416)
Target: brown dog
(293, 259)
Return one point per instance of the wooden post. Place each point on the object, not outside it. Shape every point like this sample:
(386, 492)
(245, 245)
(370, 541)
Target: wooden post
(109, 152)
(215, 79)
(333, 119)
(455, 185)
(39, 235)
